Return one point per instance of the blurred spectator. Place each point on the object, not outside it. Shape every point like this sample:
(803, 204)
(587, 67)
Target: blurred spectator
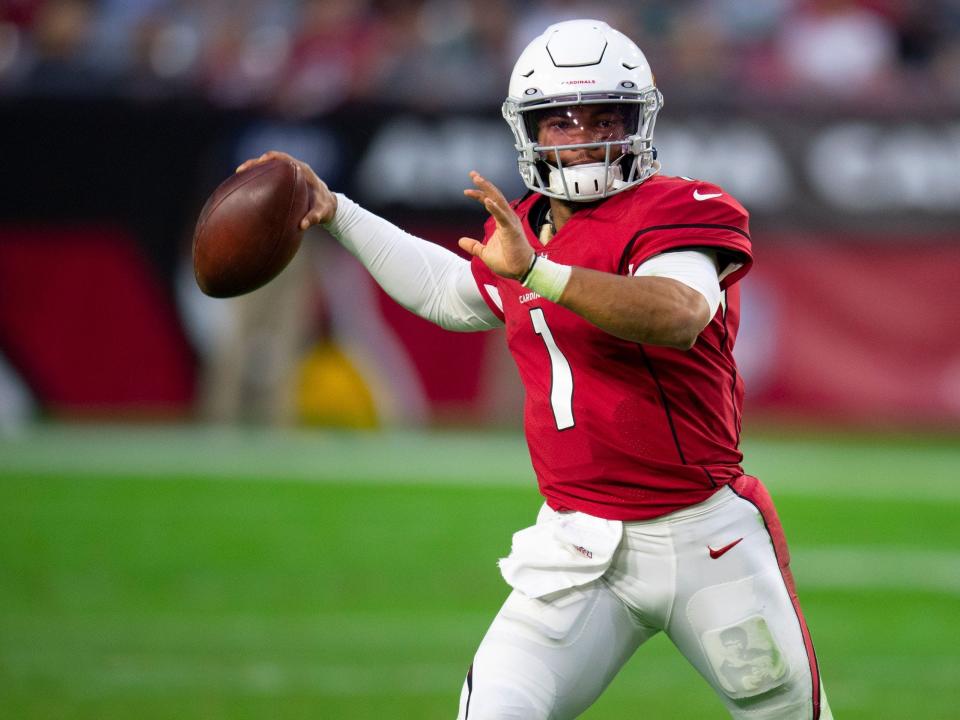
(702, 63)
(21, 13)
(333, 59)
(928, 45)
(838, 47)
(306, 57)
(61, 32)
(116, 31)
(447, 53)
(251, 364)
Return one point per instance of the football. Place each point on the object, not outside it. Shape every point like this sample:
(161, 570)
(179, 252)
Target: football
(249, 229)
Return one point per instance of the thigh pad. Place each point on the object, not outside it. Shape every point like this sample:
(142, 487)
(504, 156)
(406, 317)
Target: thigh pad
(738, 635)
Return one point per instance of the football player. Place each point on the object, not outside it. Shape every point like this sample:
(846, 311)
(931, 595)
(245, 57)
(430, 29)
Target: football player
(618, 288)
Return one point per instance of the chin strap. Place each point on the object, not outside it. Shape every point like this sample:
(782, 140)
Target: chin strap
(585, 182)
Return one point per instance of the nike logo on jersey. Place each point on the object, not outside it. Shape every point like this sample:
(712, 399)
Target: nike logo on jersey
(697, 195)
(717, 553)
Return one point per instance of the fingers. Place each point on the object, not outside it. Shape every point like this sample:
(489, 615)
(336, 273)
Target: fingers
(503, 215)
(489, 204)
(323, 205)
(485, 185)
(488, 189)
(269, 155)
(318, 215)
(471, 246)
(489, 195)
(311, 218)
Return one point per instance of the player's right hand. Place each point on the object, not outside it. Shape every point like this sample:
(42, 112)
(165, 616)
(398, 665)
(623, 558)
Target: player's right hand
(323, 203)
(507, 252)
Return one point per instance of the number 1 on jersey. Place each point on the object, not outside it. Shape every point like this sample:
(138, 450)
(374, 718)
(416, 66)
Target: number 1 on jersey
(561, 378)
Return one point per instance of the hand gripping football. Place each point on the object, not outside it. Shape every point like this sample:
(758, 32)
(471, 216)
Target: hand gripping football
(249, 228)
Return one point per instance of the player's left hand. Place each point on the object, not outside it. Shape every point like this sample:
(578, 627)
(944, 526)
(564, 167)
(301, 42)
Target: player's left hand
(507, 252)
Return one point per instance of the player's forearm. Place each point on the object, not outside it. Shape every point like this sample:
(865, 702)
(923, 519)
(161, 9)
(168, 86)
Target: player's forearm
(423, 277)
(650, 310)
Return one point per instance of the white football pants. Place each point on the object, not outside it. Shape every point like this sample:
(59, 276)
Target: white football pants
(715, 577)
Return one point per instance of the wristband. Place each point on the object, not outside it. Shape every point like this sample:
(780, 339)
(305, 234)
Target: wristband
(533, 261)
(547, 278)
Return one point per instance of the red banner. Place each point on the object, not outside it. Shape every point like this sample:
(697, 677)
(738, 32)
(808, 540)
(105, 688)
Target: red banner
(834, 329)
(853, 331)
(88, 325)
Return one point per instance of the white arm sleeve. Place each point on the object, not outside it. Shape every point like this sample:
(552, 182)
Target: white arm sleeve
(696, 269)
(425, 278)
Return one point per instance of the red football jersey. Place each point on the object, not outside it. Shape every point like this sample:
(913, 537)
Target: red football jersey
(618, 429)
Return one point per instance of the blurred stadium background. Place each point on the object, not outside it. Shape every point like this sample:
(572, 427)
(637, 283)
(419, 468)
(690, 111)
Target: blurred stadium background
(290, 504)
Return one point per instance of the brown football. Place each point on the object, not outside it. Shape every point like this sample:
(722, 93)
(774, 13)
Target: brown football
(249, 228)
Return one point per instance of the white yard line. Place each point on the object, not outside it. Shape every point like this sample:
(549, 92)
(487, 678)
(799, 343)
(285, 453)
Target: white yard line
(440, 458)
(300, 455)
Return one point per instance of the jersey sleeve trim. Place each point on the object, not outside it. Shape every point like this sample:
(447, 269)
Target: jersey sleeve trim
(487, 286)
(715, 239)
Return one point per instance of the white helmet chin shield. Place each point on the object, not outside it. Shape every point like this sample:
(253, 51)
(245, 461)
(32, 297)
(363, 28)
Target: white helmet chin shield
(587, 92)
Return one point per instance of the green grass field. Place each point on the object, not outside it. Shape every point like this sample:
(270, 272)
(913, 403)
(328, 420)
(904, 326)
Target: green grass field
(192, 573)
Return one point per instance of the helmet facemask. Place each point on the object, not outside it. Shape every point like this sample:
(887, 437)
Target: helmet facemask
(608, 135)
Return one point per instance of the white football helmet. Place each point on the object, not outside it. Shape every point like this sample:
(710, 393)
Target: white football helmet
(575, 66)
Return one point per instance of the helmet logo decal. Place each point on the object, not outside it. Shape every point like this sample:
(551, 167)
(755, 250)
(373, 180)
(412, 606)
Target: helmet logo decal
(579, 82)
